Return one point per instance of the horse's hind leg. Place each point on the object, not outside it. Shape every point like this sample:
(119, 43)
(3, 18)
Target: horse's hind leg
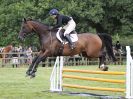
(102, 59)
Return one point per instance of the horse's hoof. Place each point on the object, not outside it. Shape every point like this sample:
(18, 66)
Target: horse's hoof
(28, 73)
(32, 75)
(105, 68)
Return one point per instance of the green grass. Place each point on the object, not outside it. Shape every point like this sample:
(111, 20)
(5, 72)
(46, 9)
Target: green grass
(95, 83)
(14, 84)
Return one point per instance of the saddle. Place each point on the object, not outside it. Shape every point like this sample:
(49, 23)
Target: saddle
(60, 36)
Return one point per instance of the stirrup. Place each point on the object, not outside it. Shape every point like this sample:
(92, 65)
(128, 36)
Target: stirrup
(72, 46)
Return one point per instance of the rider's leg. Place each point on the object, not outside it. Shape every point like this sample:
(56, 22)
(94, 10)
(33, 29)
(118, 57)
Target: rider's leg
(68, 29)
(70, 41)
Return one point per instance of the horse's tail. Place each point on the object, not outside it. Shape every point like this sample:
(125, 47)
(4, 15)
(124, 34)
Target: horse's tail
(107, 42)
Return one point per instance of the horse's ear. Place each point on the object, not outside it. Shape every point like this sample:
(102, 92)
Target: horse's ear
(25, 20)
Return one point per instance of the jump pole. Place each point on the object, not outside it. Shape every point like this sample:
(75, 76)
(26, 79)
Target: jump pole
(94, 72)
(57, 85)
(56, 75)
(129, 74)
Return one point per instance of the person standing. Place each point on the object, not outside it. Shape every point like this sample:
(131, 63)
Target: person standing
(29, 55)
(118, 46)
(15, 61)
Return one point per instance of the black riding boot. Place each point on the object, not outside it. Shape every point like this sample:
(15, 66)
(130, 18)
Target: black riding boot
(70, 41)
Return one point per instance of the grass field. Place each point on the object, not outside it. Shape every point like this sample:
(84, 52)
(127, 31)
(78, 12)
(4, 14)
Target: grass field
(14, 84)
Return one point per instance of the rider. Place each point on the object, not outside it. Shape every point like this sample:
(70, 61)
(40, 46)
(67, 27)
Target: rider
(68, 22)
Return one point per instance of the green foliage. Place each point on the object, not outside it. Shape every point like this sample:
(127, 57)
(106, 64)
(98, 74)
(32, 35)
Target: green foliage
(108, 16)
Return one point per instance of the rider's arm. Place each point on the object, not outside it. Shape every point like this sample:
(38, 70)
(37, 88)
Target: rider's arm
(59, 22)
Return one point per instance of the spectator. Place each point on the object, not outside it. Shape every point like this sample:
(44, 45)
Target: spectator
(118, 46)
(21, 55)
(15, 61)
(29, 55)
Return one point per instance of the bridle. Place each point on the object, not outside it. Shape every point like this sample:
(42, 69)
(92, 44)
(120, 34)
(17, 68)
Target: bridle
(32, 28)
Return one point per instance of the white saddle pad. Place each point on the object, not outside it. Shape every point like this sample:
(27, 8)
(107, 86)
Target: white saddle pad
(73, 37)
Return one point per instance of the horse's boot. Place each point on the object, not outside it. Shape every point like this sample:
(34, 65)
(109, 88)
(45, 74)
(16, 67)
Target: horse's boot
(32, 75)
(72, 45)
(28, 73)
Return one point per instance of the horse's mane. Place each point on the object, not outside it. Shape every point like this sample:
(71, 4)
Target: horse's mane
(47, 25)
(43, 24)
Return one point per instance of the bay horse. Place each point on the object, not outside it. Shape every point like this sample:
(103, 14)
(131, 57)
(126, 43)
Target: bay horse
(88, 44)
(5, 53)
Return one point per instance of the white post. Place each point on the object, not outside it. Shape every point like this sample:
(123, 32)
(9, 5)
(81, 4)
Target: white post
(53, 77)
(61, 69)
(56, 75)
(129, 74)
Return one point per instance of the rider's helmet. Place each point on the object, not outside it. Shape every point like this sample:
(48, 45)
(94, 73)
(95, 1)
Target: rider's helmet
(53, 12)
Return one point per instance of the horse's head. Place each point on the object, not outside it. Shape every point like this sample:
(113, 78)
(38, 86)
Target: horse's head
(26, 29)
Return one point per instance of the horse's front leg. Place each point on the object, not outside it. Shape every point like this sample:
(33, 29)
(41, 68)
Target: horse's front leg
(33, 68)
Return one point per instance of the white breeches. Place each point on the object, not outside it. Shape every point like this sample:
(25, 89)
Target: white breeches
(15, 60)
(69, 27)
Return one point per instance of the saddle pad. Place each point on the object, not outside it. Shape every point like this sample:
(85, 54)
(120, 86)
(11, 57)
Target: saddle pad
(73, 37)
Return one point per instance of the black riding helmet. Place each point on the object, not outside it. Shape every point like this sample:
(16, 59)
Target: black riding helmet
(53, 12)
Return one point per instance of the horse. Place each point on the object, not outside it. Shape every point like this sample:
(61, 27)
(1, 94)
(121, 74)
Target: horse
(89, 45)
(5, 54)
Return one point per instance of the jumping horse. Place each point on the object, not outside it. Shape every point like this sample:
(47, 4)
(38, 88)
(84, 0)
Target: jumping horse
(88, 44)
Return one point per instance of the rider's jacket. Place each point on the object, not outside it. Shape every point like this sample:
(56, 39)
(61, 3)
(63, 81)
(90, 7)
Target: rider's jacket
(61, 20)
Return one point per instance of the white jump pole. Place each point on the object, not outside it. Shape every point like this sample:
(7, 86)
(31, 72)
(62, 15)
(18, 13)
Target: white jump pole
(129, 74)
(56, 75)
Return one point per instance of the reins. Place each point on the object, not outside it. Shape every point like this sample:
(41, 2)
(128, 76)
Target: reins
(51, 39)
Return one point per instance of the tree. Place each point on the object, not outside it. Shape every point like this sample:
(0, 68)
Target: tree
(108, 16)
